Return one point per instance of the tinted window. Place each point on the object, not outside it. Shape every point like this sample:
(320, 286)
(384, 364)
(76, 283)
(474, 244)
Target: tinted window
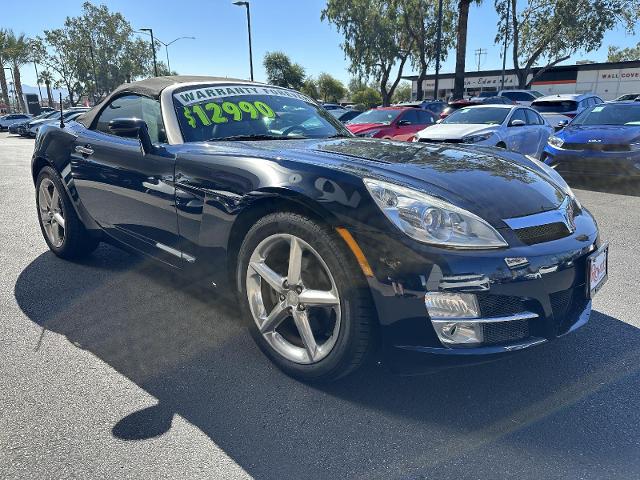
(555, 106)
(518, 115)
(134, 106)
(127, 106)
(425, 118)
(533, 118)
(411, 116)
(518, 96)
(384, 117)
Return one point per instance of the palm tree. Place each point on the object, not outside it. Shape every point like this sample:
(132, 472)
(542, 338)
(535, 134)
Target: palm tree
(3, 58)
(461, 49)
(19, 52)
(47, 79)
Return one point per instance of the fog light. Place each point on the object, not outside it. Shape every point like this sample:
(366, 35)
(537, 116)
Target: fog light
(451, 305)
(458, 333)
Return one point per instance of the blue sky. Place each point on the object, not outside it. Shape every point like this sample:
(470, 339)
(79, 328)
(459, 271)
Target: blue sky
(220, 48)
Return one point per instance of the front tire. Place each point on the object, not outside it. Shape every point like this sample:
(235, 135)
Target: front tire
(61, 228)
(307, 304)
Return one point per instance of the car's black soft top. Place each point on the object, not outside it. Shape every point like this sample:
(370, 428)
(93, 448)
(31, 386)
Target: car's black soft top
(149, 87)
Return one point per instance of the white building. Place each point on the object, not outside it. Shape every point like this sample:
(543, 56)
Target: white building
(608, 80)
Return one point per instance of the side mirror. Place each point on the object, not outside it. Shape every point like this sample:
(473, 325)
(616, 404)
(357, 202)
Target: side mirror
(517, 123)
(562, 124)
(132, 128)
(402, 123)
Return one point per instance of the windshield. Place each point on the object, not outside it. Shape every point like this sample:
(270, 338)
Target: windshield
(230, 112)
(383, 117)
(610, 114)
(555, 106)
(628, 96)
(475, 115)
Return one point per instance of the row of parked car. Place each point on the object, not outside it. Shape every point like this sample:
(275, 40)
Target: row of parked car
(28, 126)
(577, 134)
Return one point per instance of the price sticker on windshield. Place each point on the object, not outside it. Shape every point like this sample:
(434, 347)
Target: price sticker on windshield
(211, 113)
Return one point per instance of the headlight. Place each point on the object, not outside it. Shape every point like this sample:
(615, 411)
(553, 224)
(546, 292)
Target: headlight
(477, 138)
(557, 178)
(369, 134)
(431, 220)
(555, 141)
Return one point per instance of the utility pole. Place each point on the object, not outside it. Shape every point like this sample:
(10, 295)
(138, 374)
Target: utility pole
(506, 43)
(479, 52)
(438, 50)
(153, 49)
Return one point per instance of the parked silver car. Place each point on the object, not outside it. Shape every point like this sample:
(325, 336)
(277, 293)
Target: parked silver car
(558, 110)
(514, 127)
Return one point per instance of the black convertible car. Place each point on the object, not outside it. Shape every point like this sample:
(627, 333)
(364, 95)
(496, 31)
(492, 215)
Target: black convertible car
(337, 247)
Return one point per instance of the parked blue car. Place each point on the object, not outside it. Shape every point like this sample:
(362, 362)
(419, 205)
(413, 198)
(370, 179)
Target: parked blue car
(601, 142)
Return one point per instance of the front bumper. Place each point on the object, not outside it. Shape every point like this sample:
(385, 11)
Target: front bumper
(585, 164)
(523, 306)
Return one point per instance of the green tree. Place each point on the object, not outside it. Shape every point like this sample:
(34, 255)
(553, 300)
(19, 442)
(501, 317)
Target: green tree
(421, 22)
(282, 71)
(47, 79)
(545, 33)
(330, 88)
(95, 52)
(310, 88)
(617, 54)
(17, 50)
(356, 84)
(4, 58)
(402, 93)
(461, 45)
(366, 98)
(375, 40)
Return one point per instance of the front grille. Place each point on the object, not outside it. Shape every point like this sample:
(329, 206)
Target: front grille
(502, 332)
(596, 147)
(499, 305)
(567, 305)
(542, 233)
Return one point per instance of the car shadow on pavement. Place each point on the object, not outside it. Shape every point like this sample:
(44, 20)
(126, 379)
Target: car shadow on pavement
(570, 405)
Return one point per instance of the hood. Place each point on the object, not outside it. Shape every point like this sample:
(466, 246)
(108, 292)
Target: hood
(363, 127)
(604, 134)
(454, 131)
(484, 182)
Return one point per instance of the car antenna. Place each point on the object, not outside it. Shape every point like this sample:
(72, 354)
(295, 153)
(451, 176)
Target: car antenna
(61, 117)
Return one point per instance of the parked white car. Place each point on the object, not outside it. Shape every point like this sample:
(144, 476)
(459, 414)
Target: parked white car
(558, 110)
(7, 120)
(514, 127)
(521, 97)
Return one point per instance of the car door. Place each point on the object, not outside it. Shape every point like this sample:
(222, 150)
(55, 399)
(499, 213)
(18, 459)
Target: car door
(516, 136)
(129, 193)
(407, 124)
(541, 131)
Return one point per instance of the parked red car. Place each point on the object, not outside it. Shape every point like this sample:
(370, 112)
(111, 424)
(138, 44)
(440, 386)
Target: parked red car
(397, 123)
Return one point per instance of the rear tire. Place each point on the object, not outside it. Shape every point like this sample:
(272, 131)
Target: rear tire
(333, 299)
(61, 228)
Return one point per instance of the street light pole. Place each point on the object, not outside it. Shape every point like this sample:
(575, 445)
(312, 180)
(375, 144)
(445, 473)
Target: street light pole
(166, 47)
(438, 50)
(246, 4)
(506, 42)
(153, 49)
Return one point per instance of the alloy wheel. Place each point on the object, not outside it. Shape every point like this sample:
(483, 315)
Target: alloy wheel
(51, 212)
(293, 298)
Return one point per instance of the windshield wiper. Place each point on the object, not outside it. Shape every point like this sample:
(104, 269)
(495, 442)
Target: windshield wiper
(340, 135)
(253, 137)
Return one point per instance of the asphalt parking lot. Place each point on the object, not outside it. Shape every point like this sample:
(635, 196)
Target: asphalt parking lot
(115, 368)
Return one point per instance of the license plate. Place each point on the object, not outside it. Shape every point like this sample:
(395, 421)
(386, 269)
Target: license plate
(598, 269)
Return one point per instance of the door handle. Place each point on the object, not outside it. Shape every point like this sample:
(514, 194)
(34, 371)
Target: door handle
(86, 151)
